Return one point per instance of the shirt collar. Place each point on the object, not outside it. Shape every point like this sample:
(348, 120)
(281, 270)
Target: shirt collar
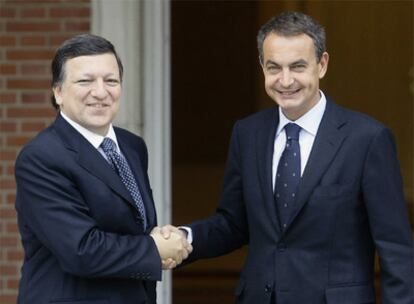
(309, 121)
(94, 138)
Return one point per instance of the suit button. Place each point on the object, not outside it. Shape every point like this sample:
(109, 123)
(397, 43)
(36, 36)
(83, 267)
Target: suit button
(281, 247)
(268, 288)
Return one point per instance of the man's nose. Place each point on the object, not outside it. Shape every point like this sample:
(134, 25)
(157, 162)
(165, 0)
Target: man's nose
(286, 79)
(99, 89)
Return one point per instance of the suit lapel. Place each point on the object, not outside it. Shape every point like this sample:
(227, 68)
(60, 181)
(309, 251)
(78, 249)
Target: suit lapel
(90, 159)
(265, 144)
(327, 143)
(135, 164)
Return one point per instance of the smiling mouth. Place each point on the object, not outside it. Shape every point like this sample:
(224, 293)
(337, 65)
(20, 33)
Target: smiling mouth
(288, 93)
(98, 105)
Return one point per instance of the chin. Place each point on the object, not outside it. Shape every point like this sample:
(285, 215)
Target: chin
(289, 104)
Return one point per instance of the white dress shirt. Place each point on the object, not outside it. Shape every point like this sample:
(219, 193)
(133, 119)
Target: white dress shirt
(95, 139)
(309, 124)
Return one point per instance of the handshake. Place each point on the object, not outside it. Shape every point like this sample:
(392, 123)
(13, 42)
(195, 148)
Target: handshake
(172, 245)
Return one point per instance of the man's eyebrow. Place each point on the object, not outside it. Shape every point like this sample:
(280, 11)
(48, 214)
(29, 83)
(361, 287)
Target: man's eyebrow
(271, 62)
(90, 75)
(84, 75)
(299, 62)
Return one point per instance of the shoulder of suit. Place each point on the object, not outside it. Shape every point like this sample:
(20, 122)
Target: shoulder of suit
(261, 117)
(128, 136)
(47, 135)
(358, 120)
(355, 124)
(45, 145)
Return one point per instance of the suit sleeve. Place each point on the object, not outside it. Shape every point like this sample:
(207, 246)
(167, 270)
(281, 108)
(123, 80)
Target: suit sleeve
(227, 229)
(386, 207)
(53, 214)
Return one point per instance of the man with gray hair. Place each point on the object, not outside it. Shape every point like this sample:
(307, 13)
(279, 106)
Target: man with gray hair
(312, 188)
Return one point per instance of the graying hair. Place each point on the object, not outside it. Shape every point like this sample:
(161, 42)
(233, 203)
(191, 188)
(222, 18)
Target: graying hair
(290, 24)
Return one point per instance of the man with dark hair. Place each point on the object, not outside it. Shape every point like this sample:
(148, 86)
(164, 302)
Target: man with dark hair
(85, 209)
(314, 189)
(79, 46)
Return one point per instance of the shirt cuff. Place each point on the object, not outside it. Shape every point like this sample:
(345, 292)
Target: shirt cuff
(189, 233)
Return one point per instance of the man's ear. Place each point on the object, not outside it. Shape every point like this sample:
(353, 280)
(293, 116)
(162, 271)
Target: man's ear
(261, 64)
(323, 65)
(57, 92)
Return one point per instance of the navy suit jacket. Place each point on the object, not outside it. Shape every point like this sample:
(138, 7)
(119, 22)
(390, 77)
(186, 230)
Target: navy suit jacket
(80, 230)
(350, 203)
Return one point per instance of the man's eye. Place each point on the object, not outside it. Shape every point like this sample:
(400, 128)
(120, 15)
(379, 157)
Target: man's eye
(112, 81)
(272, 69)
(84, 81)
(299, 67)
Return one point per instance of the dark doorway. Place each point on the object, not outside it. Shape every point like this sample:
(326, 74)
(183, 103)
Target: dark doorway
(214, 74)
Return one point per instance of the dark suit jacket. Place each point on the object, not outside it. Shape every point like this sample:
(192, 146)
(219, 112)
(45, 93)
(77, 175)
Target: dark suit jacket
(82, 240)
(350, 202)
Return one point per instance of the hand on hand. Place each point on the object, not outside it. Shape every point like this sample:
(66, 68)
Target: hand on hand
(172, 245)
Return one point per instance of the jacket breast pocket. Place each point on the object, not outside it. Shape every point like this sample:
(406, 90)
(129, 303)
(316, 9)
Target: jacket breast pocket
(358, 294)
(335, 190)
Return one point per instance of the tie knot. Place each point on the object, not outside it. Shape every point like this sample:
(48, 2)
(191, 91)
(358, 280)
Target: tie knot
(292, 131)
(108, 145)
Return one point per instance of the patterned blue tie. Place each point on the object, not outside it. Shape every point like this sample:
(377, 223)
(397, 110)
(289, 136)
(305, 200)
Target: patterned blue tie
(119, 164)
(288, 174)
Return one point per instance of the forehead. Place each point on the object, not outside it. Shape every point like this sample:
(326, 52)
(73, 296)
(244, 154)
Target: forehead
(92, 64)
(281, 48)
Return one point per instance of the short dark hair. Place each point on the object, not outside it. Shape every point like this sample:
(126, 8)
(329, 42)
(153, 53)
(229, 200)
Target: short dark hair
(81, 45)
(290, 24)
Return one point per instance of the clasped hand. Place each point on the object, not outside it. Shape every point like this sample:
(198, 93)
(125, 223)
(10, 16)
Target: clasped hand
(172, 245)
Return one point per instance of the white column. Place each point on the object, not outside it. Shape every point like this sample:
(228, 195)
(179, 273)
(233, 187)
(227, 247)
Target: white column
(157, 112)
(140, 31)
(119, 22)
